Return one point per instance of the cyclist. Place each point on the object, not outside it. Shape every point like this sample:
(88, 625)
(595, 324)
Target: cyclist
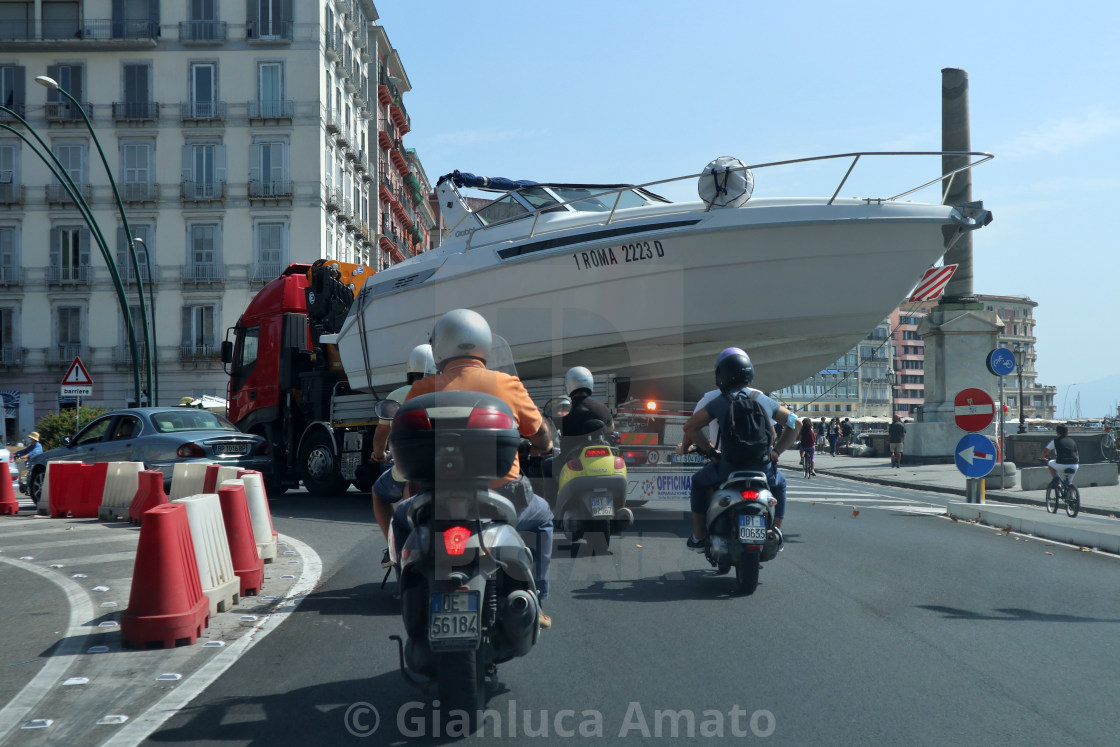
(1065, 453)
(807, 443)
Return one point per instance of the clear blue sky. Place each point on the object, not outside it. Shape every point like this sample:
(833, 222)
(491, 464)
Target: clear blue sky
(629, 91)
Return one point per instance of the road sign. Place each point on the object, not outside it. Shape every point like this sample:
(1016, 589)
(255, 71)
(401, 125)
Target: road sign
(1001, 362)
(975, 455)
(932, 283)
(77, 374)
(973, 410)
(77, 390)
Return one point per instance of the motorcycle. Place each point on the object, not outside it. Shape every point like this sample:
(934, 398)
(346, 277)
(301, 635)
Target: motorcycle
(468, 597)
(741, 532)
(591, 491)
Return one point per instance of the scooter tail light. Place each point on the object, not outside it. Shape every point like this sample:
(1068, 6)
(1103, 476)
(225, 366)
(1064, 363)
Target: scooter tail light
(750, 495)
(597, 452)
(492, 419)
(619, 463)
(412, 420)
(575, 465)
(455, 540)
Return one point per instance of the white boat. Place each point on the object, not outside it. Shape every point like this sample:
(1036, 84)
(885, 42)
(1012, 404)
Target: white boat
(623, 281)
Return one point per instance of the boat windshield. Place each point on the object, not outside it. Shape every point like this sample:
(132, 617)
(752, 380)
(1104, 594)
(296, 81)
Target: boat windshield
(502, 209)
(549, 199)
(580, 198)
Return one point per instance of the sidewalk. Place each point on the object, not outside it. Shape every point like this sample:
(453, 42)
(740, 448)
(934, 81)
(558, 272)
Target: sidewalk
(1098, 524)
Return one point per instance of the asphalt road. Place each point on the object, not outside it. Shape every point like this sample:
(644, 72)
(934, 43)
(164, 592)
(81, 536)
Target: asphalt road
(880, 623)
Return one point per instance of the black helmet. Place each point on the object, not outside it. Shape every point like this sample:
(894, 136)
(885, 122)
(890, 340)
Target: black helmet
(734, 372)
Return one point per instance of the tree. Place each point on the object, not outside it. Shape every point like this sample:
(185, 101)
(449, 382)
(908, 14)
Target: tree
(55, 425)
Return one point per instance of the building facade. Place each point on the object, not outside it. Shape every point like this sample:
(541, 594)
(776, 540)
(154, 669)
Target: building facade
(242, 137)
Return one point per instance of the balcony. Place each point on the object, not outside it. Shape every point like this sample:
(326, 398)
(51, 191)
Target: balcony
(398, 160)
(350, 154)
(265, 31)
(203, 274)
(203, 32)
(64, 355)
(57, 194)
(71, 34)
(342, 138)
(122, 354)
(330, 121)
(263, 111)
(136, 111)
(270, 190)
(61, 112)
(333, 200)
(262, 273)
(11, 194)
(139, 192)
(128, 275)
(202, 111)
(331, 49)
(202, 191)
(11, 275)
(384, 140)
(19, 108)
(80, 275)
(400, 116)
(207, 353)
(11, 356)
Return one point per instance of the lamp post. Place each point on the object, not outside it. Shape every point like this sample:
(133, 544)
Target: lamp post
(47, 156)
(52, 85)
(1019, 372)
(890, 385)
(153, 353)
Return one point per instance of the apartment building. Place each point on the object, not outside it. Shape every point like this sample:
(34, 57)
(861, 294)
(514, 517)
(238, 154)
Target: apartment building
(242, 137)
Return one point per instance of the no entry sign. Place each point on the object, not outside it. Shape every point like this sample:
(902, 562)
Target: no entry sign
(973, 410)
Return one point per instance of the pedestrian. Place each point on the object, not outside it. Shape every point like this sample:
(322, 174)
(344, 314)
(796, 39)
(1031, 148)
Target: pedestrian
(896, 435)
(846, 434)
(833, 436)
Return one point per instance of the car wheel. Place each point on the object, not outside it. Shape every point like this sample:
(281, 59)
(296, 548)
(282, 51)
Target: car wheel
(35, 483)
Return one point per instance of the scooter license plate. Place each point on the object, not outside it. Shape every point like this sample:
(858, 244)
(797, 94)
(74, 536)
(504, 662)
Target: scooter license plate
(752, 528)
(603, 506)
(454, 619)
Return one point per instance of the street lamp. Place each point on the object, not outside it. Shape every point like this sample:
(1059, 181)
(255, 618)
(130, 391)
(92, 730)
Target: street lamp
(1019, 372)
(890, 385)
(50, 160)
(153, 353)
(52, 85)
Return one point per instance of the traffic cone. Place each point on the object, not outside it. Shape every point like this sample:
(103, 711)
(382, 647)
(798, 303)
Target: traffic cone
(166, 607)
(247, 562)
(210, 482)
(149, 494)
(8, 503)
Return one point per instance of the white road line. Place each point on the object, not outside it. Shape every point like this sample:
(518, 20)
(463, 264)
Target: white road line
(843, 499)
(141, 727)
(104, 539)
(81, 560)
(15, 713)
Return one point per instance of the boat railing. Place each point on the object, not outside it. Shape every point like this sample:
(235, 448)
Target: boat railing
(968, 159)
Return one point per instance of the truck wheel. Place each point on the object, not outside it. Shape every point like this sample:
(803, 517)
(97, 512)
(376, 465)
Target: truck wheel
(319, 467)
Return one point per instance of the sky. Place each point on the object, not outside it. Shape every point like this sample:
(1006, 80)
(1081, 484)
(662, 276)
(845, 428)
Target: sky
(633, 91)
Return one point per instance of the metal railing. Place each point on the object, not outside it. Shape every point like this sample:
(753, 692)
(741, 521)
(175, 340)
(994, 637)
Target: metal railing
(975, 159)
(269, 188)
(11, 355)
(80, 275)
(57, 194)
(86, 30)
(203, 273)
(265, 30)
(128, 275)
(11, 275)
(11, 194)
(202, 111)
(65, 354)
(124, 111)
(194, 352)
(18, 107)
(271, 109)
(122, 354)
(202, 191)
(203, 32)
(64, 111)
(265, 272)
(139, 192)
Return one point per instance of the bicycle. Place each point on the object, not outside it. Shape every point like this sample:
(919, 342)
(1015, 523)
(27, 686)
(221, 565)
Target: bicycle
(1108, 443)
(807, 463)
(1062, 490)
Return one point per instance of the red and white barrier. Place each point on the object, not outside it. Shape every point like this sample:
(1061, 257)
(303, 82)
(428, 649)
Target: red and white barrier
(263, 532)
(189, 478)
(121, 482)
(211, 549)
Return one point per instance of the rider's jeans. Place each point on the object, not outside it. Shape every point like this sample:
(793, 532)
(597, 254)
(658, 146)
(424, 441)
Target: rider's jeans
(534, 523)
(714, 473)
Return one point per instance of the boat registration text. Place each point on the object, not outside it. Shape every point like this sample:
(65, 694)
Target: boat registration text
(639, 251)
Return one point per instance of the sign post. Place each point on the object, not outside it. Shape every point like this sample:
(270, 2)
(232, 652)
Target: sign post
(974, 410)
(1001, 362)
(77, 383)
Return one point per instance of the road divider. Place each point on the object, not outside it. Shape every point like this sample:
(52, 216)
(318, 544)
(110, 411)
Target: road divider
(121, 482)
(188, 478)
(211, 549)
(263, 531)
(247, 561)
(9, 505)
(149, 494)
(75, 489)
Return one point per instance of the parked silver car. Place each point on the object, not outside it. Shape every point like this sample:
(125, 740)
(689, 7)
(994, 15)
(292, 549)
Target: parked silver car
(160, 437)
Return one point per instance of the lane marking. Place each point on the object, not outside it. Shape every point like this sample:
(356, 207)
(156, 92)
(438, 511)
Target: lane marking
(141, 727)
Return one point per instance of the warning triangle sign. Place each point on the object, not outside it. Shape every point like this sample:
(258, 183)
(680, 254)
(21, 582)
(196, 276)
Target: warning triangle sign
(77, 374)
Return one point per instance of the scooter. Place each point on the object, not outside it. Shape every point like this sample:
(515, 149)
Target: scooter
(468, 596)
(741, 532)
(591, 492)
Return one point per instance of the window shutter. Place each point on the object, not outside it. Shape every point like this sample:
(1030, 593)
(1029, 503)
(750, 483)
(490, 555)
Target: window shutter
(153, 15)
(208, 325)
(118, 19)
(255, 162)
(188, 163)
(286, 14)
(186, 325)
(56, 247)
(83, 247)
(252, 18)
(219, 163)
(122, 248)
(77, 82)
(53, 72)
(20, 93)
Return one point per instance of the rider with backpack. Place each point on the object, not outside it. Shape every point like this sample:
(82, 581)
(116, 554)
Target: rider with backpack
(746, 437)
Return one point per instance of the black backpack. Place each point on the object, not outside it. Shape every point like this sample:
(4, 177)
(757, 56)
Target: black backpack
(746, 433)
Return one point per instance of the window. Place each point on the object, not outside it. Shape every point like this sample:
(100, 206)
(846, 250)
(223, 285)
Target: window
(269, 167)
(273, 19)
(198, 330)
(9, 256)
(9, 172)
(136, 167)
(245, 357)
(61, 21)
(8, 342)
(70, 78)
(204, 90)
(203, 246)
(270, 91)
(69, 254)
(204, 170)
(137, 92)
(12, 92)
(17, 20)
(272, 248)
(142, 247)
(72, 156)
(68, 331)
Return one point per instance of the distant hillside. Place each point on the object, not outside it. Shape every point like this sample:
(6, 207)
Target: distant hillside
(1097, 398)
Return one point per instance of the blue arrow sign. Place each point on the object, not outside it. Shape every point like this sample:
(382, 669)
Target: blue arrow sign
(1001, 361)
(975, 455)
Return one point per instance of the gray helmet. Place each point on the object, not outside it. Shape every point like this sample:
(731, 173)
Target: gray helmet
(461, 333)
(578, 378)
(420, 361)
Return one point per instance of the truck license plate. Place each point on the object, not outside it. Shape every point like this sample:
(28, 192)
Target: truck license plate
(602, 506)
(752, 528)
(454, 619)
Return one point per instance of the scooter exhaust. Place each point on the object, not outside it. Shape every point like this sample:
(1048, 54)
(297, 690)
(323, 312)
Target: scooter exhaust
(520, 618)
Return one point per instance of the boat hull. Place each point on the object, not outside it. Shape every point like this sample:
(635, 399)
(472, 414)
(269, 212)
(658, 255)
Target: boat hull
(795, 285)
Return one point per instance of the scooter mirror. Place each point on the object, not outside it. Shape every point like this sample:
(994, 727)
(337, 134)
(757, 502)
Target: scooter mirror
(386, 409)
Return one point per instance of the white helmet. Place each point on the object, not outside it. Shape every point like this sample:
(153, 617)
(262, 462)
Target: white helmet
(420, 360)
(461, 333)
(578, 378)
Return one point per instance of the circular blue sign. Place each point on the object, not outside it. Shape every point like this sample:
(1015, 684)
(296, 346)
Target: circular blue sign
(975, 455)
(1001, 361)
